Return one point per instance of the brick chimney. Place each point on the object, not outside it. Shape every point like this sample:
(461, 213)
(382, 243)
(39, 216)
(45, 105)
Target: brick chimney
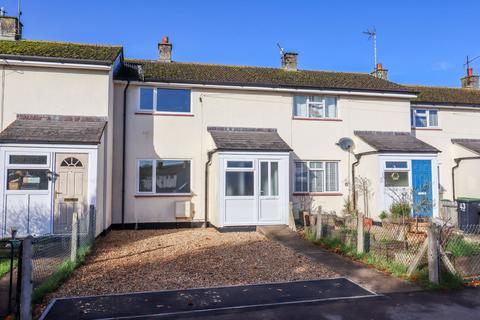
(165, 50)
(289, 61)
(471, 81)
(379, 72)
(10, 27)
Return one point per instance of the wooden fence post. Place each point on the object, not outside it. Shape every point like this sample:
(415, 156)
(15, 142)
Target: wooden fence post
(291, 217)
(26, 280)
(318, 226)
(74, 238)
(360, 234)
(433, 265)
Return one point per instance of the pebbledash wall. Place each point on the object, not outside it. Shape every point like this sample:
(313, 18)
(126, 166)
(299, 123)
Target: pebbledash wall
(63, 89)
(161, 136)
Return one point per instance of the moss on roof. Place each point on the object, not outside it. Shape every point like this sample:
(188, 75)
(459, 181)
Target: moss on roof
(446, 95)
(256, 76)
(60, 50)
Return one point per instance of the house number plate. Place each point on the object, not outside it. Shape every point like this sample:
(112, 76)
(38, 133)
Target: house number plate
(70, 199)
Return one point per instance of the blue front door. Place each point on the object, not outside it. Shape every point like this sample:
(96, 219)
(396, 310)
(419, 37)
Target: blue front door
(422, 188)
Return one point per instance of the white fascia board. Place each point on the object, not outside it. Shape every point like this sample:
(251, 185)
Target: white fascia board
(289, 90)
(445, 107)
(50, 146)
(61, 65)
(253, 153)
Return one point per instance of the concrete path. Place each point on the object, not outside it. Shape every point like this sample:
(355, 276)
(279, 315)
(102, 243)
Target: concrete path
(370, 278)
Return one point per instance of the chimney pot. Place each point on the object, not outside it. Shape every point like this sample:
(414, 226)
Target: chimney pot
(165, 50)
(290, 61)
(379, 66)
(470, 72)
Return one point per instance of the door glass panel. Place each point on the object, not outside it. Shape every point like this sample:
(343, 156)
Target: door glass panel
(274, 178)
(264, 179)
(396, 179)
(27, 159)
(239, 183)
(27, 179)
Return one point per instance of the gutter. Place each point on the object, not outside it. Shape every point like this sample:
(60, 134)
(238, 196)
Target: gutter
(358, 156)
(56, 63)
(457, 164)
(124, 143)
(207, 166)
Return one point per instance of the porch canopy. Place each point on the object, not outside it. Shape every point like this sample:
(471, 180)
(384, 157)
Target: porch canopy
(54, 129)
(470, 144)
(248, 139)
(395, 142)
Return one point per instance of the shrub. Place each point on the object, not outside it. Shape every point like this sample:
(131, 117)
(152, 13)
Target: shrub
(383, 215)
(400, 209)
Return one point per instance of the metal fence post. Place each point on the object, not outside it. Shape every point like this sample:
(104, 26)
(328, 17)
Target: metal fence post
(433, 265)
(360, 234)
(74, 238)
(26, 280)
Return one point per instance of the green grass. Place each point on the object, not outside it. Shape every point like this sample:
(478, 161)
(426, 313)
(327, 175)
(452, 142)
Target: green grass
(5, 266)
(64, 271)
(448, 280)
(458, 247)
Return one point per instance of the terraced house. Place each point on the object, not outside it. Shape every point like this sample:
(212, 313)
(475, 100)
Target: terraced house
(166, 143)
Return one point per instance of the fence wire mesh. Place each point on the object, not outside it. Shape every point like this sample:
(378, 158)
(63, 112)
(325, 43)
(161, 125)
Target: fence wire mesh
(462, 247)
(51, 253)
(395, 241)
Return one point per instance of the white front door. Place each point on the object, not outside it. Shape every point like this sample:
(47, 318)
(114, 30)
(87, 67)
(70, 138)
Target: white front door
(255, 190)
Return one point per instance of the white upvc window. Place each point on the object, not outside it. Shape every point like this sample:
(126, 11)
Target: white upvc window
(27, 171)
(316, 107)
(424, 118)
(163, 176)
(396, 174)
(163, 100)
(316, 176)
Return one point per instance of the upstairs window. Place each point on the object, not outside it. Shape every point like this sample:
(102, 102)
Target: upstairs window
(165, 100)
(316, 107)
(424, 118)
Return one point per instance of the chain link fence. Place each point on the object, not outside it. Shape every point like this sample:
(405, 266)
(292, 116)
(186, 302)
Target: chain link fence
(400, 245)
(53, 254)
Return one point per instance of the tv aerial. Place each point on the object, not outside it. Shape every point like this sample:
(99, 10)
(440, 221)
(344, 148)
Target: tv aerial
(372, 35)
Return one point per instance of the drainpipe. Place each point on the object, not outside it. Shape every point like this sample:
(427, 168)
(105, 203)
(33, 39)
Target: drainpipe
(124, 143)
(207, 166)
(357, 156)
(457, 164)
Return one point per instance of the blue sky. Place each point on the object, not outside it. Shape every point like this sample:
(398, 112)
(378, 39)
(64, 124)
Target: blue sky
(420, 42)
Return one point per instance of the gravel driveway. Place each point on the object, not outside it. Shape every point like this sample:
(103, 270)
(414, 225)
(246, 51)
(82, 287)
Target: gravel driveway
(129, 261)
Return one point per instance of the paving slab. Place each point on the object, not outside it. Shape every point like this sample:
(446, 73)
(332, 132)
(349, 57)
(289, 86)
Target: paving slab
(195, 301)
(368, 277)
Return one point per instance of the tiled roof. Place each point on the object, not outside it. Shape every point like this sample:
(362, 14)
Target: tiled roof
(247, 139)
(54, 129)
(401, 142)
(446, 95)
(197, 73)
(58, 51)
(470, 144)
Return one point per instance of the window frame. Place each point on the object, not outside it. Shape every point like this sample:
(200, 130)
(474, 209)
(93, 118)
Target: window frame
(312, 102)
(154, 178)
(154, 101)
(407, 170)
(8, 166)
(324, 182)
(413, 116)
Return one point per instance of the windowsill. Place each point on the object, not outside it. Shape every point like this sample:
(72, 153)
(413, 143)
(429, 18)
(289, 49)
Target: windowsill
(163, 195)
(166, 114)
(318, 119)
(427, 129)
(318, 194)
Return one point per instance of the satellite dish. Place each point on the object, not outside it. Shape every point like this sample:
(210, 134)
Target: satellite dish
(345, 144)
